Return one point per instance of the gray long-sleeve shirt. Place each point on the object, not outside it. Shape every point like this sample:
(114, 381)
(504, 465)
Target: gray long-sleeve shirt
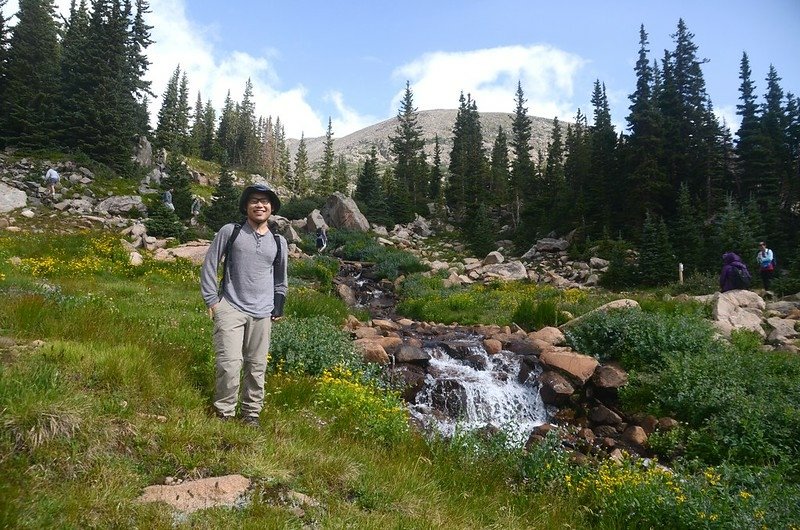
(250, 283)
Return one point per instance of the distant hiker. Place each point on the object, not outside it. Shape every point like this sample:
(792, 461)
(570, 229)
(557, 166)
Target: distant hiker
(250, 296)
(766, 264)
(196, 204)
(167, 197)
(734, 273)
(51, 178)
(322, 239)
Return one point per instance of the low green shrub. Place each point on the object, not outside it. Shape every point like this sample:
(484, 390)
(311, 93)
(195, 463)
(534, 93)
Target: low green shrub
(697, 283)
(320, 269)
(361, 246)
(311, 346)
(639, 340)
(360, 407)
(742, 404)
(299, 208)
(308, 303)
(532, 315)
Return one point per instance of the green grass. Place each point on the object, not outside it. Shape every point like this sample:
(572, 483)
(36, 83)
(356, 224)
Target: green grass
(81, 435)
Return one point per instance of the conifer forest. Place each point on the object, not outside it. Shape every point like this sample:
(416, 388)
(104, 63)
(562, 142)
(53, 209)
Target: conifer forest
(676, 184)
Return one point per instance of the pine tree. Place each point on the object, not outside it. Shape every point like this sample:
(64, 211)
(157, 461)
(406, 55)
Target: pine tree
(500, 170)
(437, 175)
(341, 182)
(179, 180)
(198, 127)
(324, 185)
(29, 105)
(732, 232)
(369, 192)
(182, 116)
(657, 264)
(224, 207)
(168, 127)
(163, 222)
(552, 180)
(226, 132)
(776, 171)
(398, 198)
(601, 187)
(407, 145)
(301, 168)
(247, 143)
(687, 234)
(207, 141)
(469, 168)
(750, 147)
(522, 165)
(138, 65)
(646, 181)
(4, 38)
(577, 169)
(480, 231)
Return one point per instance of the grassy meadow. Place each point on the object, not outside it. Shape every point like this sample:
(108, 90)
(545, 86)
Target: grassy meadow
(106, 375)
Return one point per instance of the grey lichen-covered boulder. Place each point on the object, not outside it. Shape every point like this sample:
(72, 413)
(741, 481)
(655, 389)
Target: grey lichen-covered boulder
(342, 212)
(11, 198)
(122, 205)
(738, 309)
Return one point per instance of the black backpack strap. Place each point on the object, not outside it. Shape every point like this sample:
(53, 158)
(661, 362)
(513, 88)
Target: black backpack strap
(237, 227)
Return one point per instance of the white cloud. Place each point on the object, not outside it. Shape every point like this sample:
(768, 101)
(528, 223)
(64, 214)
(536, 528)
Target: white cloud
(348, 120)
(179, 41)
(727, 115)
(547, 75)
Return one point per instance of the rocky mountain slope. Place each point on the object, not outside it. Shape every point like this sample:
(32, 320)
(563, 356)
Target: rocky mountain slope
(356, 146)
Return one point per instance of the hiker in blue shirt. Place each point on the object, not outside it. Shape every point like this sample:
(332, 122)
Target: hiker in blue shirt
(766, 264)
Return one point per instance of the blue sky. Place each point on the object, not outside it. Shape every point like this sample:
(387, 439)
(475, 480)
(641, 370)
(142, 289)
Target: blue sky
(349, 60)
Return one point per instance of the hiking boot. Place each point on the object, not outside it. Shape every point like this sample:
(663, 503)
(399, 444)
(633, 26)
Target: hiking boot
(222, 417)
(252, 421)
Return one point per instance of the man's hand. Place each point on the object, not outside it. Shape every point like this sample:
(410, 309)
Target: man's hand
(211, 311)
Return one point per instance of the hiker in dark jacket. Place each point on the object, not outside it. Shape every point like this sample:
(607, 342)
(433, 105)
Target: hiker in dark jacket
(728, 276)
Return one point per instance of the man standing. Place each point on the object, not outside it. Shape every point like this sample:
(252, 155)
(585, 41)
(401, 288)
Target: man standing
(251, 295)
(766, 264)
(51, 178)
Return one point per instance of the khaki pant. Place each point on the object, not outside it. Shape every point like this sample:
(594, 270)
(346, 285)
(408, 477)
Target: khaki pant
(241, 343)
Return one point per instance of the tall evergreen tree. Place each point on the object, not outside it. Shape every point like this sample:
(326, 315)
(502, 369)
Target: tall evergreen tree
(469, 168)
(140, 86)
(4, 38)
(179, 180)
(552, 180)
(207, 142)
(341, 181)
(226, 132)
(577, 169)
(182, 116)
(646, 187)
(28, 107)
(657, 264)
(500, 170)
(246, 144)
(301, 168)
(324, 185)
(601, 187)
(224, 207)
(687, 234)
(522, 164)
(750, 147)
(369, 191)
(198, 127)
(776, 172)
(407, 145)
(437, 176)
(168, 127)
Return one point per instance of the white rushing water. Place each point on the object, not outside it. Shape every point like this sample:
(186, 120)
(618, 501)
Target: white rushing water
(459, 397)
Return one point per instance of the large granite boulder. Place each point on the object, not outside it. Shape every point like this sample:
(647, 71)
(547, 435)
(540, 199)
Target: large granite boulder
(341, 212)
(738, 309)
(122, 205)
(11, 198)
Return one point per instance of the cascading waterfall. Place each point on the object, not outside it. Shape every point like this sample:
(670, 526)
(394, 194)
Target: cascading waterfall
(470, 390)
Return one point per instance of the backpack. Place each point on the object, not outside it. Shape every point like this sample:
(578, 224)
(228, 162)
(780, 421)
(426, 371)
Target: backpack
(741, 278)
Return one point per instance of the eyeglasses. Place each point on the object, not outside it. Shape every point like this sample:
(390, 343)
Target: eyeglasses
(254, 201)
